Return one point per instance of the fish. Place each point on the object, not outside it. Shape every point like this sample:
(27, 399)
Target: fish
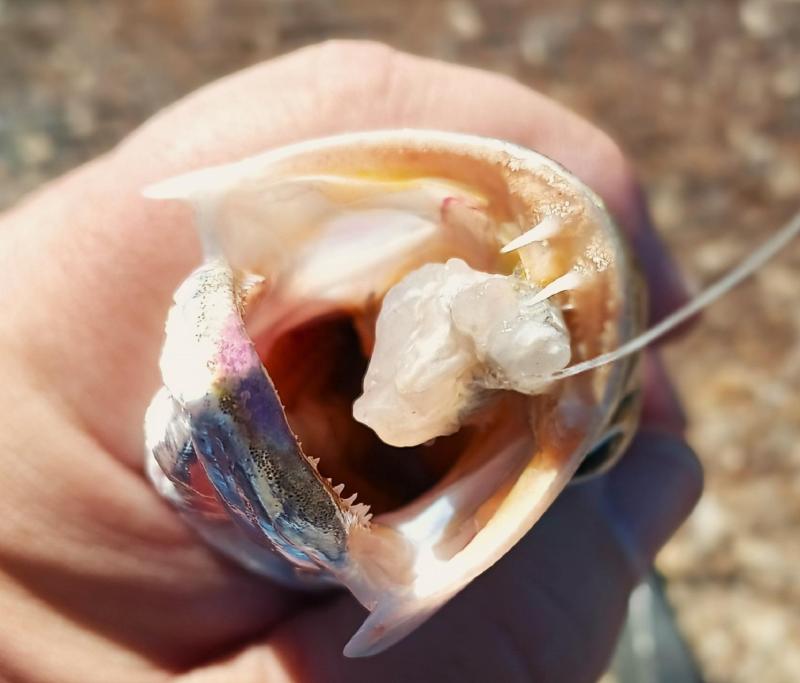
(400, 347)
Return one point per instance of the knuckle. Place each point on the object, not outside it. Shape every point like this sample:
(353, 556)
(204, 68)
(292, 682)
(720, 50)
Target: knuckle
(612, 157)
(352, 68)
(365, 52)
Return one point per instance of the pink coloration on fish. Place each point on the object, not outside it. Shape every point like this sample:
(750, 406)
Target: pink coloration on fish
(235, 352)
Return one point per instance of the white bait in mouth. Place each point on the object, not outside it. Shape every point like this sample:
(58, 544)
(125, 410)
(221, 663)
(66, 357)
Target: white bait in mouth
(394, 357)
(446, 336)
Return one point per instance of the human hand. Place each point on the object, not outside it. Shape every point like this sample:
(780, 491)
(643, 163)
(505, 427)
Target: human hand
(99, 578)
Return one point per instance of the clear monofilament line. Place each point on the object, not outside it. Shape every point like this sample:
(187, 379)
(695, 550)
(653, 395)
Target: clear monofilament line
(747, 267)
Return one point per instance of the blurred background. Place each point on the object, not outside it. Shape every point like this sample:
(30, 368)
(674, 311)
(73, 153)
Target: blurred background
(705, 99)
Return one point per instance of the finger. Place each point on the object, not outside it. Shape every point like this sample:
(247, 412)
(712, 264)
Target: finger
(93, 562)
(661, 407)
(114, 258)
(651, 492)
(548, 611)
(665, 284)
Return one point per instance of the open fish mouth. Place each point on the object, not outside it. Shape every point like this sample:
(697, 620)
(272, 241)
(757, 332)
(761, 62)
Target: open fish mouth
(360, 379)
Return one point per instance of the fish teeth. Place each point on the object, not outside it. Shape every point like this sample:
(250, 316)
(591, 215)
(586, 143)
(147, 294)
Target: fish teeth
(570, 280)
(360, 514)
(548, 227)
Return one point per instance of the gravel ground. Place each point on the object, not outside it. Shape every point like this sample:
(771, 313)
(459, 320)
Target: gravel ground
(705, 98)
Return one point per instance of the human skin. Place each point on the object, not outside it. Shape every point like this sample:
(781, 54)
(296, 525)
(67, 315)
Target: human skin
(99, 578)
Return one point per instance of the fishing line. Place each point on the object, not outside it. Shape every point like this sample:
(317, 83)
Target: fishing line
(747, 267)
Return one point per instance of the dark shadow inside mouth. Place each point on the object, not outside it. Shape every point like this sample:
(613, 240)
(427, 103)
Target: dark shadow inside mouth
(318, 369)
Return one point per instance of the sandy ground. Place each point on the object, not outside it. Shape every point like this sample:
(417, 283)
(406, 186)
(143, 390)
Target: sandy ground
(705, 98)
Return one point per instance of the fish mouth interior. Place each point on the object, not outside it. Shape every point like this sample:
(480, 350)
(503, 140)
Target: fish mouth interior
(318, 368)
(325, 276)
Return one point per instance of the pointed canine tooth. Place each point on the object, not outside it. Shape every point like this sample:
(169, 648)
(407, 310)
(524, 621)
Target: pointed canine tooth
(548, 227)
(351, 499)
(570, 280)
(314, 462)
(338, 489)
